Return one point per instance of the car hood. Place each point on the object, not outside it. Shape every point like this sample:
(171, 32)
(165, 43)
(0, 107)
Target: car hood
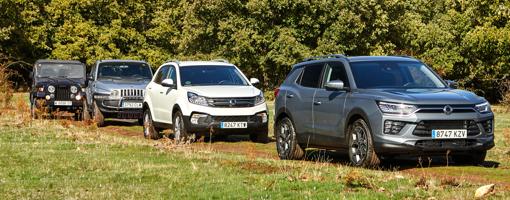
(60, 81)
(120, 84)
(224, 91)
(426, 96)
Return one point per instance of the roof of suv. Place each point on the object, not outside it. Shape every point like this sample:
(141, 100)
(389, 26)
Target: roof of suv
(120, 60)
(380, 58)
(58, 61)
(202, 63)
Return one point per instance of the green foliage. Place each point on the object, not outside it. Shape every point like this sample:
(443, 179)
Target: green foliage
(463, 40)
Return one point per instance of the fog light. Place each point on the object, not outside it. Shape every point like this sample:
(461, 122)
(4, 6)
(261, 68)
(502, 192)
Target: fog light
(72, 96)
(263, 116)
(47, 97)
(78, 97)
(393, 127)
(195, 117)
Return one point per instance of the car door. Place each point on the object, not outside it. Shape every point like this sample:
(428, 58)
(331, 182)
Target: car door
(300, 100)
(328, 107)
(167, 96)
(153, 91)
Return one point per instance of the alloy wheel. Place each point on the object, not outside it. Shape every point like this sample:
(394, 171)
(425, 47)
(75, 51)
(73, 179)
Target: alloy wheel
(359, 144)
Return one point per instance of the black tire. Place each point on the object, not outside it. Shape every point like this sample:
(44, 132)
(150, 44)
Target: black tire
(97, 116)
(181, 135)
(361, 146)
(141, 121)
(286, 141)
(85, 114)
(474, 158)
(260, 137)
(149, 131)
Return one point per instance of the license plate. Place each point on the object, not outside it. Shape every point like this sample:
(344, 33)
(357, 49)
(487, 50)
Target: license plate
(131, 105)
(449, 133)
(234, 125)
(63, 103)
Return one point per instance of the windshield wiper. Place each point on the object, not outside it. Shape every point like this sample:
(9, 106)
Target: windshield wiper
(67, 78)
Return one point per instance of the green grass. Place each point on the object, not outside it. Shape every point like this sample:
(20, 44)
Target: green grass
(54, 160)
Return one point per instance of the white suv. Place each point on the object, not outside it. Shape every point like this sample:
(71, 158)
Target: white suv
(204, 97)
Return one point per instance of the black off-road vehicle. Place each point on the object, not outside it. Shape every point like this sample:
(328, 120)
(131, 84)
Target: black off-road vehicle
(58, 85)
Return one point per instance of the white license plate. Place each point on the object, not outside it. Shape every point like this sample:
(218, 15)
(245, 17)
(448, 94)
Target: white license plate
(449, 133)
(63, 103)
(234, 125)
(131, 105)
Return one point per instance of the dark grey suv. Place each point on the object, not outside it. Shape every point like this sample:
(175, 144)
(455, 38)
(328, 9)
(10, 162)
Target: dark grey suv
(377, 107)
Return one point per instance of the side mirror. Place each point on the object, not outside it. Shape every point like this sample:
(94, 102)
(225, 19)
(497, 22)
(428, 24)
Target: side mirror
(89, 77)
(335, 85)
(452, 84)
(254, 81)
(168, 83)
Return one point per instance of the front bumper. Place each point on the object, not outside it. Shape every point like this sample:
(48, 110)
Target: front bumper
(50, 104)
(414, 138)
(112, 108)
(255, 123)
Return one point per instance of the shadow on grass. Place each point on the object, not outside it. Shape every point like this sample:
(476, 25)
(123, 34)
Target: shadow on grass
(394, 163)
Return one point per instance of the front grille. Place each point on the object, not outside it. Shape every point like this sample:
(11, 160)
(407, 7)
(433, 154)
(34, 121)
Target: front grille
(450, 143)
(232, 102)
(137, 93)
(440, 108)
(62, 93)
(424, 128)
(253, 118)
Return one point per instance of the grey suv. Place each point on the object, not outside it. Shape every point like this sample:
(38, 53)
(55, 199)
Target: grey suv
(116, 89)
(377, 107)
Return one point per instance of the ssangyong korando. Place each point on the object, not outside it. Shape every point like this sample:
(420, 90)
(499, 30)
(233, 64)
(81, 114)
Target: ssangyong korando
(374, 107)
(208, 98)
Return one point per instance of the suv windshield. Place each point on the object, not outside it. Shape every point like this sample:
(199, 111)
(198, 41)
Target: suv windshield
(211, 75)
(124, 70)
(394, 74)
(60, 70)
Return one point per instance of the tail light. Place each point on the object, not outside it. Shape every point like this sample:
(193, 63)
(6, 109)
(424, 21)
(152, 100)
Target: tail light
(276, 91)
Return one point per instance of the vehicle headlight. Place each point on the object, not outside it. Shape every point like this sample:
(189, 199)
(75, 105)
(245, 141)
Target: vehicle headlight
(483, 107)
(115, 94)
(396, 108)
(51, 89)
(259, 99)
(197, 99)
(74, 89)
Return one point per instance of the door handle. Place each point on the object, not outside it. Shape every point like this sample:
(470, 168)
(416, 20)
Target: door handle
(161, 92)
(149, 88)
(290, 96)
(317, 103)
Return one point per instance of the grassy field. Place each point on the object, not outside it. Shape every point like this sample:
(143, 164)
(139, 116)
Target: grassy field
(59, 159)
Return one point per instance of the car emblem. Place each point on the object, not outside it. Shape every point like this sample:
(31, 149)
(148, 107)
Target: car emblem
(447, 110)
(232, 102)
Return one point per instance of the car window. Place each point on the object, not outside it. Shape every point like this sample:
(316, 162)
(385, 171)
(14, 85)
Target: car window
(211, 75)
(172, 74)
(311, 75)
(67, 70)
(163, 71)
(394, 74)
(335, 71)
(124, 70)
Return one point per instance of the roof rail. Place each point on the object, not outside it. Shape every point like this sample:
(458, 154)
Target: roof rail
(173, 60)
(220, 60)
(325, 56)
(405, 56)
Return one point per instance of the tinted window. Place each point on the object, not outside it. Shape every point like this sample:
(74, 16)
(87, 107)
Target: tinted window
(211, 75)
(172, 74)
(335, 71)
(124, 70)
(392, 74)
(163, 71)
(311, 75)
(60, 70)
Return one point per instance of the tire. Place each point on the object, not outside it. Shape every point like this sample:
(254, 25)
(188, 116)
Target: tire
(97, 116)
(260, 137)
(149, 131)
(141, 122)
(361, 146)
(286, 141)
(474, 158)
(85, 114)
(181, 135)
